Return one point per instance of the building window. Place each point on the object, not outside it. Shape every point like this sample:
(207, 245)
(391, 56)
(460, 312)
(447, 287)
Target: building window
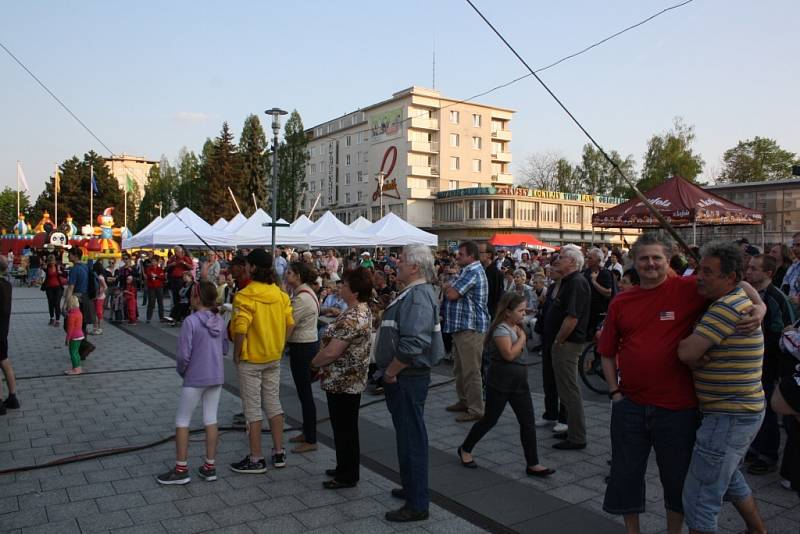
(476, 120)
(347, 141)
(313, 168)
(347, 178)
(571, 214)
(312, 186)
(347, 198)
(360, 176)
(454, 139)
(476, 143)
(358, 157)
(453, 184)
(455, 163)
(454, 117)
(451, 211)
(476, 165)
(360, 196)
(548, 213)
(526, 211)
(347, 159)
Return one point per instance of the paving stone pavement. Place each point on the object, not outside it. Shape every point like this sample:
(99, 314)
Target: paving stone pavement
(133, 402)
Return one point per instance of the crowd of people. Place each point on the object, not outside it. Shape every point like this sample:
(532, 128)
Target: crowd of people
(697, 350)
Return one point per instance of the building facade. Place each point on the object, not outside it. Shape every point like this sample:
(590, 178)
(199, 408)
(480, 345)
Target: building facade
(137, 167)
(553, 216)
(398, 154)
(779, 201)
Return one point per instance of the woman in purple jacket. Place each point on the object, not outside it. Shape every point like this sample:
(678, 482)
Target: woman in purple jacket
(200, 350)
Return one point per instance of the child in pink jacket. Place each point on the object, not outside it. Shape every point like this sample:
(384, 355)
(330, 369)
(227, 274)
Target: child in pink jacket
(74, 329)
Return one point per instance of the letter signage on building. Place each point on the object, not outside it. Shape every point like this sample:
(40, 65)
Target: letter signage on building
(531, 193)
(333, 183)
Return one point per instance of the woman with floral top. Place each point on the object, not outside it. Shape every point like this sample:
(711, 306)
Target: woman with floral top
(343, 362)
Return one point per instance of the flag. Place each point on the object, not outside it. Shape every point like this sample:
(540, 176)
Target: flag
(95, 190)
(57, 181)
(22, 179)
(129, 183)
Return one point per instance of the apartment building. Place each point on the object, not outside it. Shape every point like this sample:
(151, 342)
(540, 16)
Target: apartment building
(137, 167)
(396, 156)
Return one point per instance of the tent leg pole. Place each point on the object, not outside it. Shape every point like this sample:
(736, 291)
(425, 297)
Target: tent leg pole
(694, 233)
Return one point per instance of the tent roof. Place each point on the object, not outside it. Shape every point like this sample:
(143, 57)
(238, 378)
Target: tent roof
(513, 240)
(152, 224)
(220, 224)
(328, 231)
(360, 224)
(254, 233)
(235, 223)
(391, 230)
(682, 203)
(182, 229)
(140, 237)
(301, 223)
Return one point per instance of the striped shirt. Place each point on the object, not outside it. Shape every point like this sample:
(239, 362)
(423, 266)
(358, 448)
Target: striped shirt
(731, 382)
(470, 312)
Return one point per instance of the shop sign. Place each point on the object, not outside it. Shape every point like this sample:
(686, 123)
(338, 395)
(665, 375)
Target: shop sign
(528, 193)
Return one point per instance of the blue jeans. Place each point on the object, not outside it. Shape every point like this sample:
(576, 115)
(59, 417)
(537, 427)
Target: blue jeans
(635, 429)
(406, 403)
(714, 476)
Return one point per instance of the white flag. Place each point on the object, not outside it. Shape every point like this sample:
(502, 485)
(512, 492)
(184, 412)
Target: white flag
(22, 177)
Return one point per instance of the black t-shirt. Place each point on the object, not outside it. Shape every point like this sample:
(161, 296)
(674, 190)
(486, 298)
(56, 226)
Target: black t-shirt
(505, 376)
(35, 262)
(573, 299)
(494, 279)
(599, 304)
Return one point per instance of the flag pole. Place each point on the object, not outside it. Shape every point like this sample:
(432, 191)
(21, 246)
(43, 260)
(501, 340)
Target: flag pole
(126, 203)
(91, 194)
(55, 185)
(17, 188)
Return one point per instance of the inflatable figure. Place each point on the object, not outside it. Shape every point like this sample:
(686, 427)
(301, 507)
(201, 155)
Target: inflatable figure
(21, 228)
(87, 231)
(69, 228)
(45, 220)
(106, 221)
(57, 239)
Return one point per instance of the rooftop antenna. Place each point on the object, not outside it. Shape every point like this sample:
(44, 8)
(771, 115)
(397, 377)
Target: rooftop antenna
(434, 60)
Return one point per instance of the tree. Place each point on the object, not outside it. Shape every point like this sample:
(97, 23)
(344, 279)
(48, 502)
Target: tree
(598, 176)
(222, 170)
(670, 154)
(292, 159)
(757, 160)
(539, 171)
(187, 182)
(8, 208)
(255, 162)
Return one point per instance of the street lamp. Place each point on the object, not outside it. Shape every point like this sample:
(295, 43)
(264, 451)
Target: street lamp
(275, 113)
(381, 178)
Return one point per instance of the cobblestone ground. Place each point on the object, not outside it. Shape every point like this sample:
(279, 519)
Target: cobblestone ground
(128, 398)
(133, 402)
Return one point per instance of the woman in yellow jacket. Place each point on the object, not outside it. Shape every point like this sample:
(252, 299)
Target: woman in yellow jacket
(262, 322)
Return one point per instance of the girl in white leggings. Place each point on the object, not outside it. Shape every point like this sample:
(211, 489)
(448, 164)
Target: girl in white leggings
(200, 350)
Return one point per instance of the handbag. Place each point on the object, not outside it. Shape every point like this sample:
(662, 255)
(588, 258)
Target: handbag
(85, 348)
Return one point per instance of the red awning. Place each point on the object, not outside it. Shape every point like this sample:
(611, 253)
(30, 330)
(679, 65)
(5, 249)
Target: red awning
(514, 240)
(682, 203)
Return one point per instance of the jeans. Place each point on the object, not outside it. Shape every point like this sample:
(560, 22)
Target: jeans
(635, 429)
(565, 365)
(155, 296)
(495, 404)
(768, 440)
(405, 400)
(714, 475)
(343, 409)
(300, 356)
(54, 295)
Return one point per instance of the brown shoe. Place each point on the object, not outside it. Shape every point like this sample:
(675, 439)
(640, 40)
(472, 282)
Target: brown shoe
(299, 438)
(468, 417)
(304, 447)
(457, 407)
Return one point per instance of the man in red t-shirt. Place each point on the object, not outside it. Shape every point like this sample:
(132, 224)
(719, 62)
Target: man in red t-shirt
(155, 276)
(178, 263)
(654, 403)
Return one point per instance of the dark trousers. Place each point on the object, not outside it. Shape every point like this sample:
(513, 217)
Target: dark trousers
(768, 440)
(54, 295)
(790, 466)
(300, 356)
(175, 285)
(495, 404)
(343, 409)
(405, 400)
(552, 408)
(87, 310)
(155, 295)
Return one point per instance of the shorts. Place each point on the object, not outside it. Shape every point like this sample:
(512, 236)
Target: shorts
(714, 475)
(3, 347)
(259, 387)
(790, 389)
(190, 397)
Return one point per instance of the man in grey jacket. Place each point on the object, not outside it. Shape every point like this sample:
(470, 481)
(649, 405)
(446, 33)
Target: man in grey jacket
(410, 343)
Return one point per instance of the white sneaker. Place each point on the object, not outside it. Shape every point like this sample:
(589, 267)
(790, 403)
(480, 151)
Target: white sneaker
(539, 422)
(785, 484)
(559, 427)
(97, 332)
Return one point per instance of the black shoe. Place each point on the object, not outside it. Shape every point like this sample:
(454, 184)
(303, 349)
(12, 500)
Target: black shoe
(398, 493)
(469, 465)
(567, 445)
(335, 484)
(761, 467)
(2, 409)
(330, 472)
(250, 467)
(279, 459)
(207, 474)
(560, 435)
(12, 403)
(543, 473)
(404, 515)
(172, 477)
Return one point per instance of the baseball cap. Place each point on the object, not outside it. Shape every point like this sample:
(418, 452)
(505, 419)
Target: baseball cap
(259, 257)
(319, 253)
(365, 253)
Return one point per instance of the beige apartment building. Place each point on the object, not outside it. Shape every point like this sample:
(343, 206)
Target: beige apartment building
(417, 143)
(137, 167)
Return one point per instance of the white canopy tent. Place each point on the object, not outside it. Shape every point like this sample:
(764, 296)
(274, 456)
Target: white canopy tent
(220, 224)
(301, 224)
(329, 231)
(183, 228)
(254, 232)
(141, 237)
(155, 222)
(393, 231)
(360, 224)
(235, 223)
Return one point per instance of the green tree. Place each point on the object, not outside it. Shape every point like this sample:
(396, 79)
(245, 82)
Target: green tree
(255, 163)
(670, 154)
(8, 208)
(292, 160)
(187, 188)
(757, 160)
(222, 169)
(598, 176)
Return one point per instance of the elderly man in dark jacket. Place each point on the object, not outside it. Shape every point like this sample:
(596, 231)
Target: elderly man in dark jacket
(410, 343)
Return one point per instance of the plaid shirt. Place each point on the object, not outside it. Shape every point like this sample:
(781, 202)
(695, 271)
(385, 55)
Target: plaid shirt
(469, 312)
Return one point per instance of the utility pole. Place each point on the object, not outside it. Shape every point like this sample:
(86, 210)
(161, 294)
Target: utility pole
(275, 113)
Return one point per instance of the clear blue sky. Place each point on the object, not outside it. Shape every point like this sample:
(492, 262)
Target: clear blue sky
(151, 77)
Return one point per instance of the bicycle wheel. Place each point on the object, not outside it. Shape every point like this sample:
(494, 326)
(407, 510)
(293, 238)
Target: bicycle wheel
(590, 367)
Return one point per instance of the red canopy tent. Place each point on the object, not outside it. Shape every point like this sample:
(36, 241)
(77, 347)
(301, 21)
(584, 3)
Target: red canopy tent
(514, 240)
(682, 203)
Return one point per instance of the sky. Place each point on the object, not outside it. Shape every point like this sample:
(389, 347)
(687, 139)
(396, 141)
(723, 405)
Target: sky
(152, 77)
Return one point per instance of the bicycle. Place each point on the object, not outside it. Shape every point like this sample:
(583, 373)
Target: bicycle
(590, 368)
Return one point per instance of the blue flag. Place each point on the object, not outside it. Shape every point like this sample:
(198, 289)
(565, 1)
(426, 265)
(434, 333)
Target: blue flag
(95, 190)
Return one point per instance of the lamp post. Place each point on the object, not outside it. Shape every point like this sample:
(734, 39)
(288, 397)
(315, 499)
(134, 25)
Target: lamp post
(381, 178)
(275, 113)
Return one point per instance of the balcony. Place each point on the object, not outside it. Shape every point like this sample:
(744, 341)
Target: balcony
(424, 123)
(419, 170)
(424, 146)
(504, 157)
(501, 135)
(503, 178)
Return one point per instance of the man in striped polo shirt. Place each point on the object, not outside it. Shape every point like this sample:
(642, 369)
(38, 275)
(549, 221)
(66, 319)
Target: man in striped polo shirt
(727, 376)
